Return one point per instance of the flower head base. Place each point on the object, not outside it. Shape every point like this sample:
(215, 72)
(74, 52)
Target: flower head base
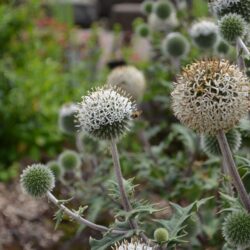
(37, 180)
(105, 114)
(204, 34)
(133, 245)
(224, 7)
(128, 79)
(211, 95)
(236, 229)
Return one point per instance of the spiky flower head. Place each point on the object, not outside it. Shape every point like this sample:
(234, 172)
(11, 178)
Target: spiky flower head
(211, 146)
(54, 166)
(106, 114)
(222, 47)
(128, 79)
(163, 9)
(143, 30)
(67, 118)
(210, 95)
(232, 26)
(175, 45)
(161, 235)
(204, 34)
(134, 244)
(69, 159)
(147, 7)
(236, 229)
(224, 7)
(36, 180)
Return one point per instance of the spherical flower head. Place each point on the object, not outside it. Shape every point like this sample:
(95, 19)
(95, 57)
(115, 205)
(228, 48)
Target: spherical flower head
(128, 79)
(37, 180)
(231, 27)
(135, 244)
(224, 7)
(67, 118)
(211, 146)
(143, 30)
(210, 96)
(54, 166)
(106, 114)
(163, 9)
(222, 47)
(161, 235)
(175, 45)
(69, 159)
(147, 7)
(204, 34)
(236, 229)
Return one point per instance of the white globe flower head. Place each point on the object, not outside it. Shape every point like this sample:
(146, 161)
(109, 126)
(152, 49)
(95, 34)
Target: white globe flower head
(204, 34)
(105, 113)
(133, 245)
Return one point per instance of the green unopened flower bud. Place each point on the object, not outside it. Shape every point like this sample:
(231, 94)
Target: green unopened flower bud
(211, 146)
(37, 180)
(147, 7)
(163, 9)
(69, 159)
(236, 229)
(232, 26)
(161, 235)
(142, 30)
(175, 45)
(54, 166)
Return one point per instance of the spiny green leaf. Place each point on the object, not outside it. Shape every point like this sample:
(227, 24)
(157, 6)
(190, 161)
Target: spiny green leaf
(58, 217)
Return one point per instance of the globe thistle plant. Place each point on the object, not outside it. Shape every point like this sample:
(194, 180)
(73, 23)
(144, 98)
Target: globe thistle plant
(204, 34)
(128, 79)
(37, 180)
(105, 114)
(222, 47)
(175, 45)
(211, 96)
(236, 229)
(143, 30)
(232, 26)
(55, 167)
(67, 118)
(211, 146)
(163, 9)
(69, 159)
(135, 244)
(224, 7)
(147, 7)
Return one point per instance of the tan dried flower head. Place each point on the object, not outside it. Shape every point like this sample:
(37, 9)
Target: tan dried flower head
(134, 244)
(211, 95)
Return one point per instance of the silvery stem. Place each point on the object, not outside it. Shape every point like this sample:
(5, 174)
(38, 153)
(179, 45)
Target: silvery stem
(78, 218)
(243, 46)
(229, 161)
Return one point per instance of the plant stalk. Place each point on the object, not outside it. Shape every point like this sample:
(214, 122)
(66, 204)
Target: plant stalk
(80, 219)
(243, 46)
(229, 161)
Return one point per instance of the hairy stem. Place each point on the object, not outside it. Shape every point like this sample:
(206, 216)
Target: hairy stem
(243, 46)
(80, 219)
(229, 161)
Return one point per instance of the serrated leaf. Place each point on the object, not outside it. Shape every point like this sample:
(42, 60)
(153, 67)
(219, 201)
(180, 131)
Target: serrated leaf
(108, 240)
(58, 217)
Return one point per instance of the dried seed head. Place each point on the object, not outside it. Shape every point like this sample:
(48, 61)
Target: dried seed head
(105, 114)
(211, 95)
(204, 34)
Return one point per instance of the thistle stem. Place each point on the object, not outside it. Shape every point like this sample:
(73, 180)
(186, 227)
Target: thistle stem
(79, 218)
(118, 172)
(229, 161)
(243, 46)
